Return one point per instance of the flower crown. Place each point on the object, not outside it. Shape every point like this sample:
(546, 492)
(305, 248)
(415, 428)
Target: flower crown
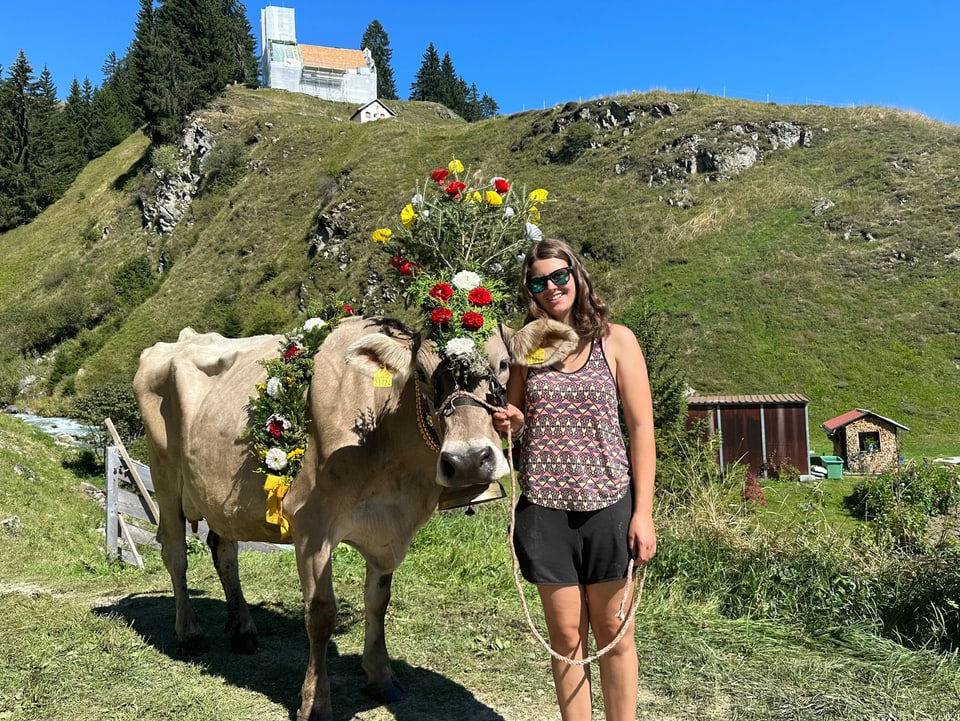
(461, 245)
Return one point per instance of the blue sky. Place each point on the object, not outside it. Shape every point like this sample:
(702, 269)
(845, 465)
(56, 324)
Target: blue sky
(891, 54)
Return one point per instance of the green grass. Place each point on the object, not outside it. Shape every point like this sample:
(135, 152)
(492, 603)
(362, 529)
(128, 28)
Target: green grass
(82, 639)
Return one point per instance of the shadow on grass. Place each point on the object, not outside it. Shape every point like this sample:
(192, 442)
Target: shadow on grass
(277, 670)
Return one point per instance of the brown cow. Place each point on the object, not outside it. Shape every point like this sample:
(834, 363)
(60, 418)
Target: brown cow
(368, 477)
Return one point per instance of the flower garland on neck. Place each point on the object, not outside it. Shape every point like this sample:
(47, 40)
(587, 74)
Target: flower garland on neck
(461, 245)
(278, 423)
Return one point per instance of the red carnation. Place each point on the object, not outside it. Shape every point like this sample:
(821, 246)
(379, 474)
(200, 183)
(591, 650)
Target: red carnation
(442, 316)
(479, 296)
(472, 320)
(441, 292)
(440, 174)
(501, 185)
(396, 261)
(455, 188)
(406, 268)
(291, 351)
(275, 427)
(348, 309)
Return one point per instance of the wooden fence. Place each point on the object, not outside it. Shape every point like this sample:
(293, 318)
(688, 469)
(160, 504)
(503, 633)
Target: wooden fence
(122, 535)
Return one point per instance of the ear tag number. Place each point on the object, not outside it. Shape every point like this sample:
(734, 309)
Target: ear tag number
(538, 355)
(383, 379)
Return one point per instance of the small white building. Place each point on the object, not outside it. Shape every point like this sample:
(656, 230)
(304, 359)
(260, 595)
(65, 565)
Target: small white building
(374, 110)
(337, 74)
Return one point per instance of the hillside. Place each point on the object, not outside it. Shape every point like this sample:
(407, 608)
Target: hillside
(792, 248)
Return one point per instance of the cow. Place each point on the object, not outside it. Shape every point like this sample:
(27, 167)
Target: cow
(369, 478)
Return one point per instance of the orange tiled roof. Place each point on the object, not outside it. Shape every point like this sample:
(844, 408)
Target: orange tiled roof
(317, 56)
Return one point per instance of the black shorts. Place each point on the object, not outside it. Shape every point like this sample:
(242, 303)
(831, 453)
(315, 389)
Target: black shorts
(572, 548)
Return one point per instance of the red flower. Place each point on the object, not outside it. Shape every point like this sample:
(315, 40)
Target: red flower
(479, 296)
(275, 428)
(501, 185)
(441, 316)
(441, 292)
(440, 174)
(472, 320)
(406, 268)
(348, 309)
(455, 188)
(396, 261)
(291, 351)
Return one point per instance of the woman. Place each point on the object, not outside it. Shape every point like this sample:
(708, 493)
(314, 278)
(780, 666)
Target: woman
(587, 505)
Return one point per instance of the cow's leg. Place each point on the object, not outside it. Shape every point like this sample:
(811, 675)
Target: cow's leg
(320, 617)
(243, 632)
(172, 535)
(381, 683)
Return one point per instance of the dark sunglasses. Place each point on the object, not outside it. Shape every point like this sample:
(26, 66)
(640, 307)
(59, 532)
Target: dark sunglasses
(559, 277)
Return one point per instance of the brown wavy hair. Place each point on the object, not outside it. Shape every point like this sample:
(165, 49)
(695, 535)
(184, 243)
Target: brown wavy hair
(589, 314)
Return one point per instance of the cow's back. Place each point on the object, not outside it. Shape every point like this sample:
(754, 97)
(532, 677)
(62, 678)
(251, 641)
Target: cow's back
(194, 396)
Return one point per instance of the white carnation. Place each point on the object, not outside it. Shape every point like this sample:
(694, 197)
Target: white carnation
(508, 212)
(466, 280)
(276, 459)
(313, 323)
(274, 387)
(533, 232)
(416, 201)
(459, 347)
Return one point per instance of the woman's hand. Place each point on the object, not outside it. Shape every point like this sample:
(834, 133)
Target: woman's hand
(511, 418)
(642, 537)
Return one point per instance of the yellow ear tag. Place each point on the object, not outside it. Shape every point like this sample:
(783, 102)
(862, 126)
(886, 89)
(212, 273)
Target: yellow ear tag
(536, 356)
(383, 379)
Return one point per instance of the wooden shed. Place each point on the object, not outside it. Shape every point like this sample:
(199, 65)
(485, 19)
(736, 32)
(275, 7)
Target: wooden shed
(762, 432)
(867, 442)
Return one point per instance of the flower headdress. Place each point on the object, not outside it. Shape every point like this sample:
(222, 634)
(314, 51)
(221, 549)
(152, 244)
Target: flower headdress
(462, 244)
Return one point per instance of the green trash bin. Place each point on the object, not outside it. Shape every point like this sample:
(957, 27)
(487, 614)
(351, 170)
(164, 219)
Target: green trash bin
(834, 466)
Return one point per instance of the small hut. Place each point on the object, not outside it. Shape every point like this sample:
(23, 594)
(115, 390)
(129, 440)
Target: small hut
(867, 442)
(762, 432)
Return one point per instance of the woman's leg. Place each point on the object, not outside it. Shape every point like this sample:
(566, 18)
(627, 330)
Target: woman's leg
(565, 611)
(618, 666)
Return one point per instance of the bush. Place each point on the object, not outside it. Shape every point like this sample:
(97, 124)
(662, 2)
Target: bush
(116, 402)
(225, 164)
(135, 281)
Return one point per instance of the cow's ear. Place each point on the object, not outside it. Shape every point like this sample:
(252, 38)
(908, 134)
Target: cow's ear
(376, 351)
(542, 342)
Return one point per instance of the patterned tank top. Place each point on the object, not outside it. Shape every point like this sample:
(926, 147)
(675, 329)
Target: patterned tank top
(574, 457)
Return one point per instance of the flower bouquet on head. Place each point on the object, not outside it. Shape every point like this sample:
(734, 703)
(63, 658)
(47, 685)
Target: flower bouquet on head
(461, 243)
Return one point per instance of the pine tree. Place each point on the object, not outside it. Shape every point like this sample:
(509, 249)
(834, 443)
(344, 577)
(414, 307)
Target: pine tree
(376, 41)
(428, 83)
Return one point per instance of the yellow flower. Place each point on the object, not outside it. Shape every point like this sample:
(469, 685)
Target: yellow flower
(382, 235)
(493, 198)
(474, 196)
(455, 166)
(262, 387)
(294, 454)
(534, 215)
(538, 196)
(408, 215)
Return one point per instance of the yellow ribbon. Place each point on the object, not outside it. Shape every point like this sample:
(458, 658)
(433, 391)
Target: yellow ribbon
(276, 488)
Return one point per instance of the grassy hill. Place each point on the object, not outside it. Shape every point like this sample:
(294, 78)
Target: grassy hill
(792, 248)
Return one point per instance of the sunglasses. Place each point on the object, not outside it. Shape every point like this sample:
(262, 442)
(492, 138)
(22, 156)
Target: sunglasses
(559, 277)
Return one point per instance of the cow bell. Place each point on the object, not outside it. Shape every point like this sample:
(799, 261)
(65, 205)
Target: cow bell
(469, 496)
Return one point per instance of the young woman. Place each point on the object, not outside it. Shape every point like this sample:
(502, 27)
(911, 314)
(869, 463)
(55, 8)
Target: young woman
(587, 503)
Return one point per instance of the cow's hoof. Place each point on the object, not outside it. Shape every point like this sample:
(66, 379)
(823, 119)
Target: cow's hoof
(245, 643)
(194, 645)
(386, 692)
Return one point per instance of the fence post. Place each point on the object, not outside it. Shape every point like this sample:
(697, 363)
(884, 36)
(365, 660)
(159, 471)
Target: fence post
(112, 523)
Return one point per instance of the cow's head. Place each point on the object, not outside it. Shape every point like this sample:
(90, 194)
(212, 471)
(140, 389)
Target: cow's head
(454, 406)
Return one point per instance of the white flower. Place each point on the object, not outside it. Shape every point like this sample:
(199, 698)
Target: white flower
(508, 212)
(313, 323)
(274, 387)
(416, 201)
(533, 232)
(466, 280)
(425, 213)
(276, 459)
(459, 347)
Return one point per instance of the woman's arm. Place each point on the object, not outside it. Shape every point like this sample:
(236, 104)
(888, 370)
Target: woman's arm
(512, 417)
(633, 385)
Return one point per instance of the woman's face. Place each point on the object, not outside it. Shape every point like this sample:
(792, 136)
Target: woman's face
(559, 290)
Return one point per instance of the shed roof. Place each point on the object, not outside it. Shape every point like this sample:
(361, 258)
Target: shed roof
(317, 56)
(749, 400)
(855, 415)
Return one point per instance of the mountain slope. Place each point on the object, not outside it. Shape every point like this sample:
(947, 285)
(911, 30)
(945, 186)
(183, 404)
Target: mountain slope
(793, 248)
